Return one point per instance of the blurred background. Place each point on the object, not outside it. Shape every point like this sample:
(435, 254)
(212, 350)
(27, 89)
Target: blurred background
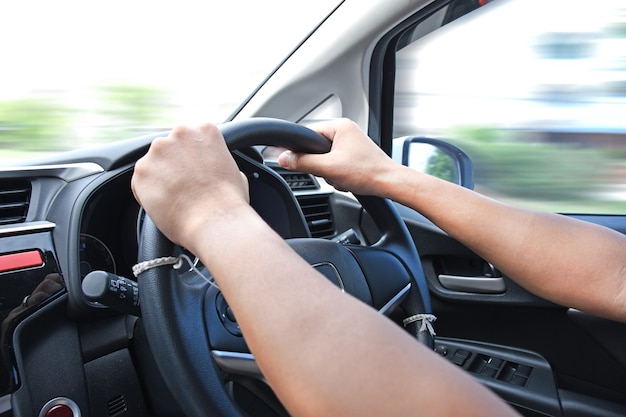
(535, 92)
(75, 73)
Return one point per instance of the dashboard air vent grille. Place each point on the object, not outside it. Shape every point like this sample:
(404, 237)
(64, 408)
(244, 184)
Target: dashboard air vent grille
(318, 215)
(117, 406)
(298, 181)
(14, 201)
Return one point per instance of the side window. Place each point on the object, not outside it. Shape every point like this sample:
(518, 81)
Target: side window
(534, 93)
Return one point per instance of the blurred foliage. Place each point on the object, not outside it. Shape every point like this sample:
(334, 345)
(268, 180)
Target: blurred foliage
(132, 107)
(519, 168)
(113, 112)
(34, 124)
(441, 165)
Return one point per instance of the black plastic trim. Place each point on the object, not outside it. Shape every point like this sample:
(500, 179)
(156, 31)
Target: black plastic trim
(382, 77)
(523, 378)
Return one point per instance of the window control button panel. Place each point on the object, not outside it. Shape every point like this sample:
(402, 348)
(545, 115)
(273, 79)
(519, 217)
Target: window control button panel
(523, 378)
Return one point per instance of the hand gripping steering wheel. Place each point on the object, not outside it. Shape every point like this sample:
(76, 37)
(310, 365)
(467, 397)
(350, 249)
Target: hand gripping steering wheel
(186, 320)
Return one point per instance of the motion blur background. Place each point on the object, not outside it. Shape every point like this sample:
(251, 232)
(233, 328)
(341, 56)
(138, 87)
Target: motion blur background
(534, 91)
(75, 73)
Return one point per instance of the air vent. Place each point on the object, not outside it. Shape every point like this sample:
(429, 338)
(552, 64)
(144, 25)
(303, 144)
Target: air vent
(14, 200)
(117, 406)
(298, 181)
(318, 215)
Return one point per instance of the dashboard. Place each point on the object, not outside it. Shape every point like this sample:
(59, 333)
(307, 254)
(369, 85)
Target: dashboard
(108, 238)
(83, 217)
(110, 224)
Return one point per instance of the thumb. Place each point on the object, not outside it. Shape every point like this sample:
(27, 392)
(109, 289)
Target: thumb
(305, 162)
(288, 160)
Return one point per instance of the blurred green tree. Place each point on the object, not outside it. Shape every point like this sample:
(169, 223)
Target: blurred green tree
(441, 165)
(518, 167)
(45, 123)
(34, 124)
(131, 109)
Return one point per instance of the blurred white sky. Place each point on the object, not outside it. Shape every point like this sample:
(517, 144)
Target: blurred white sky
(206, 52)
(211, 54)
(501, 46)
(487, 68)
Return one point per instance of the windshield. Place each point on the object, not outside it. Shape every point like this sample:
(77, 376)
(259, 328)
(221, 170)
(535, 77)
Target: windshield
(78, 73)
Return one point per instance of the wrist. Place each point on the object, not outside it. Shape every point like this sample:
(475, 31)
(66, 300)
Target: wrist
(209, 228)
(408, 186)
(392, 179)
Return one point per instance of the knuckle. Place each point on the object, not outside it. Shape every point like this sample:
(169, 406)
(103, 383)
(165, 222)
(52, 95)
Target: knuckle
(181, 130)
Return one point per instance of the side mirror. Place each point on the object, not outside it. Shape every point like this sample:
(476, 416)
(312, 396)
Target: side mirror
(438, 158)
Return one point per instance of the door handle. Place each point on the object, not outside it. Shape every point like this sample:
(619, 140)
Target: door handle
(478, 285)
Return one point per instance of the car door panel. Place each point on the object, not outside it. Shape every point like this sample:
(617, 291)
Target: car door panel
(580, 358)
(523, 378)
(585, 352)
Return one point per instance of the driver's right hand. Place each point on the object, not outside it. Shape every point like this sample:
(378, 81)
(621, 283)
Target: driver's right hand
(355, 163)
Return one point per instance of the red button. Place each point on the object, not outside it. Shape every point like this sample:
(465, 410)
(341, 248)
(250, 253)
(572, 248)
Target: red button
(60, 410)
(22, 260)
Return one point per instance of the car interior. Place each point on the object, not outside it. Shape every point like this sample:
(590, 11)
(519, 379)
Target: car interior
(82, 336)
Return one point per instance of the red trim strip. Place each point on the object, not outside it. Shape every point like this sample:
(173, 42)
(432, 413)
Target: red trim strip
(22, 260)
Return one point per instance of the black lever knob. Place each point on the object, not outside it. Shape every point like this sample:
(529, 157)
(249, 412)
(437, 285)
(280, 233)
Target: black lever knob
(119, 293)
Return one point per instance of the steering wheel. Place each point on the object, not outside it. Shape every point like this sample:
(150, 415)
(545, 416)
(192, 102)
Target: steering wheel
(192, 333)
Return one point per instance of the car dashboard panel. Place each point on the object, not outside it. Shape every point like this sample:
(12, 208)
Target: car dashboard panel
(77, 218)
(60, 222)
(23, 285)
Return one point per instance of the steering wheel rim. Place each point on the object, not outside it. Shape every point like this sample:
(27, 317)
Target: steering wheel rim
(182, 346)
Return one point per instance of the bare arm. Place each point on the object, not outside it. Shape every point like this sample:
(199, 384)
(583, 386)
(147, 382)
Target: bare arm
(570, 262)
(322, 351)
(567, 261)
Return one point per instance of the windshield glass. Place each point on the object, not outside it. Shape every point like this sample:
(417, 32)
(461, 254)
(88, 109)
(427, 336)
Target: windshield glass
(78, 73)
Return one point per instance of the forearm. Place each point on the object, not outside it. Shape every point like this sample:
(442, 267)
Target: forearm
(565, 260)
(319, 348)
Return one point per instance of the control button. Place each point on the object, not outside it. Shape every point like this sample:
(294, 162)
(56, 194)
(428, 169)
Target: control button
(60, 407)
(460, 356)
(60, 410)
(489, 372)
(226, 315)
(230, 315)
(495, 362)
(524, 370)
(519, 380)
